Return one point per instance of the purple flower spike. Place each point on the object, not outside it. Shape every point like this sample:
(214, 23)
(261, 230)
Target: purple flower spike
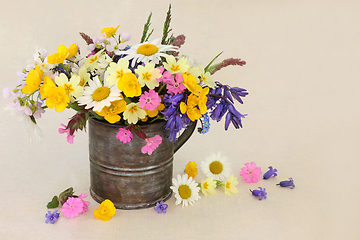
(52, 217)
(260, 193)
(272, 171)
(289, 183)
(161, 207)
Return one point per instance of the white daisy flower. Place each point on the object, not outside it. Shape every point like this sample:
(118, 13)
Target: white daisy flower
(185, 189)
(97, 96)
(216, 167)
(147, 52)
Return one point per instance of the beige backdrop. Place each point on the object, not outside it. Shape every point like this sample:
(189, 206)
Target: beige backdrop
(302, 74)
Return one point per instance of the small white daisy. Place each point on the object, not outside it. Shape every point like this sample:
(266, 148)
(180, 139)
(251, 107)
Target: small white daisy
(97, 96)
(216, 167)
(147, 52)
(185, 189)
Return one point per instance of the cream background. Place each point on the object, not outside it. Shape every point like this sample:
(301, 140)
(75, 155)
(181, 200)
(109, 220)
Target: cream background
(302, 74)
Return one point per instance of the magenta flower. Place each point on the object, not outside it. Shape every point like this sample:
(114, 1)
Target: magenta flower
(124, 135)
(150, 100)
(251, 173)
(166, 76)
(72, 207)
(151, 144)
(70, 138)
(176, 87)
(86, 203)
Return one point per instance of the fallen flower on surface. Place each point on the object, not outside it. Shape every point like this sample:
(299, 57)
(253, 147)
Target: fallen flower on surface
(289, 183)
(185, 189)
(251, 173)
(208, 186)
(72, 207)
(105, 211)
(161, 207)
(52, 217)
(230, 185)
(260, 193)
(270, 172)
(191, 169)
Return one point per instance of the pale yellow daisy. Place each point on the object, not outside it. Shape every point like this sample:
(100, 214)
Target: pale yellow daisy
(133, 112)
(176, 66)
(148, 75)
(72, 87)
(116, 71)
(230, 185)
(208, 186)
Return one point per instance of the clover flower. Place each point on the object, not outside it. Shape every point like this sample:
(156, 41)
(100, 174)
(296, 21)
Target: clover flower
(251, 173)
(161, 207)
(289, 183)
(270, 172)
(260, 193)
(52, 217)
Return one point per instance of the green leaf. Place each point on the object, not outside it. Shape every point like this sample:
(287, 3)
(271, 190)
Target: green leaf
(146, 28)
(54, 203)
(206, 68)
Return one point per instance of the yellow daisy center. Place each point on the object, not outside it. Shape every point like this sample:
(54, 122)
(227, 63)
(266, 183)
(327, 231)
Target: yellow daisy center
(216, 167)
(147, 49)
(101, 93)
(184, 192)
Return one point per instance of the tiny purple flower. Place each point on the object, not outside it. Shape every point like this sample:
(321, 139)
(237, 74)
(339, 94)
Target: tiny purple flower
(52, 217)
(270, 172)
(289, 183)
(260, 193)
(161, 207)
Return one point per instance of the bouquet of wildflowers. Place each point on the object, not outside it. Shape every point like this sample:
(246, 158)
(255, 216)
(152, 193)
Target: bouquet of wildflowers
(127, 84)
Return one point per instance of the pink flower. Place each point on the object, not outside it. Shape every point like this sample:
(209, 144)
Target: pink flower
(150, 100)
(124, 135)
(251, 173)
(176, 87)
(70, 138)
(72, 207)
(151, 144)
(166, 76)
(85, 203)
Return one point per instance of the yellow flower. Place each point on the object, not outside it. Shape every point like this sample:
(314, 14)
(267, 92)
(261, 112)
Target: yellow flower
(202, 100)
(57, 98)
(190, 108)
(133, 112)
(60, 56)
(109, 31)
(73, 49)
(191, 169)
(148, 75)
(208, 186)
(111, 113)
(129, 85)
(176, 67)
(33, 80)
(190, 83)
(230, 185)
(105, 211)
(117, 70)
(155, 112)
(92, 61)
(46, 86)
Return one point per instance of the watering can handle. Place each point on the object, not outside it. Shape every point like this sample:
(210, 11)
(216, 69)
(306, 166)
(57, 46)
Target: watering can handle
(184, 136)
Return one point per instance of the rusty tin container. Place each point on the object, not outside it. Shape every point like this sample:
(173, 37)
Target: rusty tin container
(123, 174)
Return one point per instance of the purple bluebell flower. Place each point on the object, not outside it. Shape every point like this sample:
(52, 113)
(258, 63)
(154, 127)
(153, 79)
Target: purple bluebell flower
(52, 217)
(289, 183)
(234, 117)
(219, 111)
(175, 121)
(161, 207)
(237, 92)
(260, 193)
(270, 172)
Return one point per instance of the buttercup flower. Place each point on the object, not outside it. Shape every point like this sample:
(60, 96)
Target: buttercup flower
(105, 211)
(57, 98)
(230, 185)
(185, 190)
(69, 138)
(147, 52)
(208, 186)
(270, 172)
(161, 207)
(72, 207)
(260, 193)
(124, 135)
(216, 167)
(129, 84)
(117, 70)
(52, 217)
(289, 183)
(251, 173)
(191, 170)
(151, 144)
(60, 56)
(33, 80)
(111, 113)
(109, 31)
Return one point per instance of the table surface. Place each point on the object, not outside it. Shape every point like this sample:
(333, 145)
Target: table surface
(302, 75)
